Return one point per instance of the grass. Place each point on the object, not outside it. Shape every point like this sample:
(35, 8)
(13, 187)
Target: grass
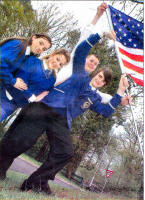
(36, 163)
(9, 190)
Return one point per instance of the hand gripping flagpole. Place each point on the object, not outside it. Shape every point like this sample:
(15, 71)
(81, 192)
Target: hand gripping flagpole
(132, 112)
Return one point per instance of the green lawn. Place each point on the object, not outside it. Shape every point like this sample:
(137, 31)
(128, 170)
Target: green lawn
(9, 190)
(34, 162)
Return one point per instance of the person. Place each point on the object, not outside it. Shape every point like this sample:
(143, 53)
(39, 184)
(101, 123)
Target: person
(53, 115)
(14, 51)
(39, 75)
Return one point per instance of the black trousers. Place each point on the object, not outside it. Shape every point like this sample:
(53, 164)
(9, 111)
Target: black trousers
(30, 124)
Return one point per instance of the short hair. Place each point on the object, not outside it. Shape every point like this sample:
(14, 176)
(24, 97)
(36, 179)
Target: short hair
(107, 74)
(93, 55)
(59, 51)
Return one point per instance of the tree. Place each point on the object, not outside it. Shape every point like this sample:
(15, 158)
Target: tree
(14, 16)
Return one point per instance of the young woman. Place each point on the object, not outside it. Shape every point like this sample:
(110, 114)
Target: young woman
(53, 115)
(39, 75)
(13, 52)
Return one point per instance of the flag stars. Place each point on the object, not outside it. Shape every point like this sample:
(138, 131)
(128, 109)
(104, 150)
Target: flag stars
(130, 40)
(142, 30)
(125, 34)
(120, 37)
(125, 43)
(120, 29)
(114, 24)
(129, 20)
(120, 20)
(134, 45)
(133, 26)
(125, 25)
(137, 32)
(138, 25)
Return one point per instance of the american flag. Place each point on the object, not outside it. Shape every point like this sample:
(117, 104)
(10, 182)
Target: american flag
(129, 44)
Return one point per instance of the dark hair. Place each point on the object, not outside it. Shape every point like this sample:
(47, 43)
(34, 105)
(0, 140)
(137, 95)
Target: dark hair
(107, 74)
(59, 51)
(93, 55)
(26, 41)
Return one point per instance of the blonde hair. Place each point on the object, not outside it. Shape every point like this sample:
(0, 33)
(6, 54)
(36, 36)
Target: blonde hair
(60, 52)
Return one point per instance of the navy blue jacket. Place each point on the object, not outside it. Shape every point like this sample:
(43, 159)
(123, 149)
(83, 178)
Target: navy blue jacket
(75, 96)
(36, 77)
(9, 63)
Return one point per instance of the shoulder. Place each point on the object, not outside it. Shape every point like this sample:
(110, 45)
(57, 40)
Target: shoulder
(11, 43)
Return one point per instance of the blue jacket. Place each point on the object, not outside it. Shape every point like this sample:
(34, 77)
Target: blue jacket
(9, 63)
(36, 77)
(75, 96)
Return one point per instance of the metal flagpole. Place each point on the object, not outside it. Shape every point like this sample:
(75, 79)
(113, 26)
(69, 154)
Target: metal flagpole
(99, 165)
(132, 112)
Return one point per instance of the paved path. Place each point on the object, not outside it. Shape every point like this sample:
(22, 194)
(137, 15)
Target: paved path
(25, 167)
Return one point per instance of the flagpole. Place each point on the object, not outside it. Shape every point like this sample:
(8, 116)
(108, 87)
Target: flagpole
(132, 112)
(99, 165)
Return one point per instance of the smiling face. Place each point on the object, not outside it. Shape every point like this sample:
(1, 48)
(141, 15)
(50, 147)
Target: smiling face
(98, 81)
(39, 45)
(56, 61)
(91, 63)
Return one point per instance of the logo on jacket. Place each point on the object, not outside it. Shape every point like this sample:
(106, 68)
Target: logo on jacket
(86, 104)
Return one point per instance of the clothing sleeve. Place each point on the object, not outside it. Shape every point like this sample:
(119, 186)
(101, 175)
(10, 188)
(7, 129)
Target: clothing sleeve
(25, 74)
(108, 109)
(8, 55)
(105, 97)
(82, 51)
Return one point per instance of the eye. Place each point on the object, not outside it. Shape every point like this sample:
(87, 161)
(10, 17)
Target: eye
(41, 43)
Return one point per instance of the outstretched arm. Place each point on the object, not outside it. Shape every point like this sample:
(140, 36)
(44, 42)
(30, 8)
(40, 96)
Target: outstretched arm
(67, 71)
(106, 110)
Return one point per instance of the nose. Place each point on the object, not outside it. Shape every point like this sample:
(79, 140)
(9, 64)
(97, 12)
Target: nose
(40, 49)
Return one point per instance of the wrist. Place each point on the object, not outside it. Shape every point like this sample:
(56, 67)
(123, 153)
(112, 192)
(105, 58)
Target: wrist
(120, 92)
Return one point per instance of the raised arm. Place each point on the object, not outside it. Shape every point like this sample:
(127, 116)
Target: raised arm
(67, 71)
(106, 110)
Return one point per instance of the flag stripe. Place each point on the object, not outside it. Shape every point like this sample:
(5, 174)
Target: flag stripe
(138, 58)
(138, 81)
(129, 71)
(132, 67)
(131, 50)
(139, 64)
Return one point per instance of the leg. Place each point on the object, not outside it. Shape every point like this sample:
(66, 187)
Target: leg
(61, 151)
(22, 134)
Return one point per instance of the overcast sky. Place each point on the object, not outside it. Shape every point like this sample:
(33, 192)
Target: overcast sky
(82, 10)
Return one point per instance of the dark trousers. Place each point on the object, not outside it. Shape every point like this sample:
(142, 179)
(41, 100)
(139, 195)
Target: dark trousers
(30, 124)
